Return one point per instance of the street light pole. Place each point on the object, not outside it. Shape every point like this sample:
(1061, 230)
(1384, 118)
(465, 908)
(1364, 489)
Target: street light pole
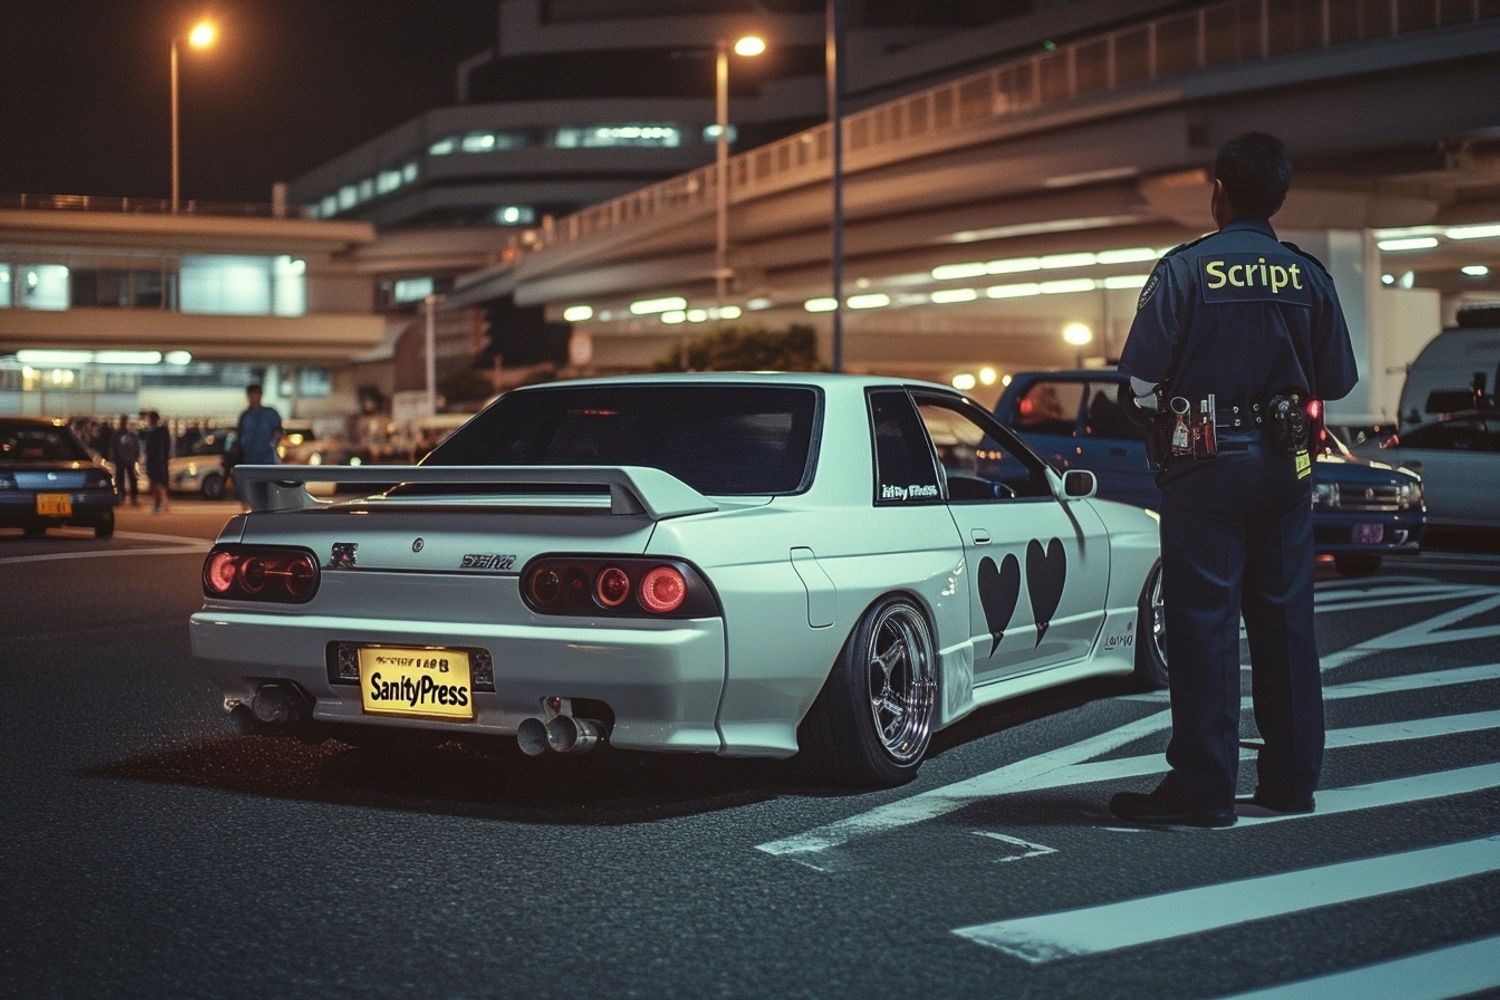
(429, 345)
(176, 169)
(833, 45)
(721, 176)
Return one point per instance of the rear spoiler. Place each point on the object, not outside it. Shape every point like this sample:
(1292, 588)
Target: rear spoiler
(632, 489)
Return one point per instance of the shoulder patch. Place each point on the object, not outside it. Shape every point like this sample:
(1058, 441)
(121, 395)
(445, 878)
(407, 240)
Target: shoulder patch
(1294, 248)
(1149, 288)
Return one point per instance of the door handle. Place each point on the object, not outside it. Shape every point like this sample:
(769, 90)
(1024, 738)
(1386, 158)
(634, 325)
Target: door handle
(980, 536)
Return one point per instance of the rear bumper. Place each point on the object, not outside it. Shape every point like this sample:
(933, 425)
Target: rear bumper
(1335, 532)
(18, 508)
(662, 680)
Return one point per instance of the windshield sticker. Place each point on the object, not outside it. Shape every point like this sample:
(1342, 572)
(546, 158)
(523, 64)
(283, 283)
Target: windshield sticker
(915, 491)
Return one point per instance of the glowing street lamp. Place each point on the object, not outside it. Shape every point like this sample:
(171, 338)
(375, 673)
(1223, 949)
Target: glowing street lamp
(201, 36)
(748, 46)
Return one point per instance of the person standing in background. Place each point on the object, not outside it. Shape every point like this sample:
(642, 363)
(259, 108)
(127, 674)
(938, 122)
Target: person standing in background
(124, 450)
(259, 430)
(158, 459)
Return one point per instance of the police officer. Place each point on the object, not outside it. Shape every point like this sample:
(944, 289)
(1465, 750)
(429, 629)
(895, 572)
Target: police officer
(1244, 318)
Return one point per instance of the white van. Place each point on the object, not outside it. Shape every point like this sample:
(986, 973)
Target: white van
(1454, 364)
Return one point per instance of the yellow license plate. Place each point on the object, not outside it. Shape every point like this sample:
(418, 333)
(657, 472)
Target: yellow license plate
(428, 682)
(54, 504)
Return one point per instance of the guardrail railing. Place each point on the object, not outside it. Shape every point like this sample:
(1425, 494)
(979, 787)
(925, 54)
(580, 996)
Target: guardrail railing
(1212, 36)
(153, 206)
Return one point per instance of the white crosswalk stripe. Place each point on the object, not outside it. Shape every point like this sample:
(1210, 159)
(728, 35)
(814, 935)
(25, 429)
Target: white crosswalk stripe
(1051, 937)
(1456, 971)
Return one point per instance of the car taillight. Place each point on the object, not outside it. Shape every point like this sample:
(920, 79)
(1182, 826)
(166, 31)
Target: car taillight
(663, 590)
(261, 573)
(616, 587)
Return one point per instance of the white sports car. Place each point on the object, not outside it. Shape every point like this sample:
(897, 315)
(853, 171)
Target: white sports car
(745, 565)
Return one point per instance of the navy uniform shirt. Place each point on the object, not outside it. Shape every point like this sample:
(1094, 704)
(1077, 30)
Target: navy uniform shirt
(1242, 316)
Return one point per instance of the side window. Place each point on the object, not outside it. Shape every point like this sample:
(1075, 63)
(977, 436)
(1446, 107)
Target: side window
(1448, 436)
(1049, 408)
(904, 472)
(981, 460)
(1105, 419)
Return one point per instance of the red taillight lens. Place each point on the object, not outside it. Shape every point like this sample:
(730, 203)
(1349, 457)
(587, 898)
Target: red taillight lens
(663, 590)
(545, 586)
(612, 586)
(261, 573)
(218, 573)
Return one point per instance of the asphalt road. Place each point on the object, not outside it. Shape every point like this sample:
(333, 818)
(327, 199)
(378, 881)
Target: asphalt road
(147, 850)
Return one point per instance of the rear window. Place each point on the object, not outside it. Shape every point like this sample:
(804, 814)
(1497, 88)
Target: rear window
(39, 443)
(1049, 408)
(720, 440)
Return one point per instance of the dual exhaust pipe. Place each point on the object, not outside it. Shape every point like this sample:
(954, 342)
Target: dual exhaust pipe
(561, 733)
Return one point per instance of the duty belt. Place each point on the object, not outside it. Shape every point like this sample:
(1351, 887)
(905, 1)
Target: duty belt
(1243, 415)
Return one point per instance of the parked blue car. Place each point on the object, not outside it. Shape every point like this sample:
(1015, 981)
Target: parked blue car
(1362, 510)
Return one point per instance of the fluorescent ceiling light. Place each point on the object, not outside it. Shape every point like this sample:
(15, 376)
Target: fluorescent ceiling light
(987, 375)
(1067, 285)
(946, 295)
(1077, 334)
(1013, 265)
(870, 300)
(822, 305)
(1475, 270)
(578, 314)
(36, 357)
(697, 315)
(1013, 291)
(756, 304)
(676, 316)
(953, 272)
(178, 358)
(1056, 260)
(1471, 232)
(1409, 243)
(963, 382)
(1129, 255)
(646, 307)
(127, 357)
(1126, 281)
(730, 312)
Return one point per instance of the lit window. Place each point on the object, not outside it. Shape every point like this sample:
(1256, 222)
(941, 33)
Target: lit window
(479, 142)
(443, 146)
(409, 172)
(411, 289)
(226, 285)
(347, 196)
(289, 286)
(387, 181)
(515, 215)
(367, 189)
(4, 286)
(711, 134)
(601, 136)
(43, 286)
(329, 205)
(313, 212)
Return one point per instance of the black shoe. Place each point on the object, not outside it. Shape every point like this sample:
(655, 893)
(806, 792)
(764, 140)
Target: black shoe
(1283, 804)
(1164, 808)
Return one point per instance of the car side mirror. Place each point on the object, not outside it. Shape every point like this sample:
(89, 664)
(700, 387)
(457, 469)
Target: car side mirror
(1079, 484)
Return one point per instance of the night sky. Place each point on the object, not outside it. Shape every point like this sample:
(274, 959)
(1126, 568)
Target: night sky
(84, 97)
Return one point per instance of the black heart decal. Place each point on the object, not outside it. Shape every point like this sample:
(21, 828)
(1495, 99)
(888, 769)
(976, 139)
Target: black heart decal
(1046, 574)
(999, 590)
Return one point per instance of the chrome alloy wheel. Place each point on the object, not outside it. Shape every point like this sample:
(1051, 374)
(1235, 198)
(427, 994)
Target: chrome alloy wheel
(1158, 618)
(902, 685)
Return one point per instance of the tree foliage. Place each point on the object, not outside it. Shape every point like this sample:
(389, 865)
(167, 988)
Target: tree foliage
(733, 348)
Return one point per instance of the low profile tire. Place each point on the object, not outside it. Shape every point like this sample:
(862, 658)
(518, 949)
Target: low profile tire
(35, 530)
(1357, 565)
(1151, 635)
(105, 528)
(872, 722)
(213, 487)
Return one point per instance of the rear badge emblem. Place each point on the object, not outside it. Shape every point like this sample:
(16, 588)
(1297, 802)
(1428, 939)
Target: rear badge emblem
(487, 560)
(342, 556)
(416, 546)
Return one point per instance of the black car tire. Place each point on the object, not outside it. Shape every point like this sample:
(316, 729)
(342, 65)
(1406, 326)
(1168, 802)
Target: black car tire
(106, 527)
(1150, 635)
(213, 486)
(839, 739)
(1357, 564)
(35, 530)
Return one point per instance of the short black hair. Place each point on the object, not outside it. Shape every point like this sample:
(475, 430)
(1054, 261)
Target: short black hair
(253, 387)
(1256, 170)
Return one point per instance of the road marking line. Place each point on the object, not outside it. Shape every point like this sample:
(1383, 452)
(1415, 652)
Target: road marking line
(1145, 920)
(158, 550)
(1334, 739)
(1398, 791)
(1455, 971)
(1031, 771)
(1032, 850)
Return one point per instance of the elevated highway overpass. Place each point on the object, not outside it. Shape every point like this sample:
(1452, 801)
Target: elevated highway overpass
(983, 214)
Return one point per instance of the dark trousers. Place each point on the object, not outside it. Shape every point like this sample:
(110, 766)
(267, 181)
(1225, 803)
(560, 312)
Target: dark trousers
(1236, 538)
(125, 480)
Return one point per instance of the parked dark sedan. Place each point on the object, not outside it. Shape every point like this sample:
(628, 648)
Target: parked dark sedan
(1362, 510)
(48, 479)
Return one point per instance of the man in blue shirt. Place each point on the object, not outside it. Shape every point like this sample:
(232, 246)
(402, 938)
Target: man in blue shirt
(259, 430)
(1242, 318)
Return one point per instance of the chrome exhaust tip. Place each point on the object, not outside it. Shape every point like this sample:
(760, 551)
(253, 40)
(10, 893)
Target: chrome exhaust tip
(276, 704)
(566, 734)
(531, 737)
